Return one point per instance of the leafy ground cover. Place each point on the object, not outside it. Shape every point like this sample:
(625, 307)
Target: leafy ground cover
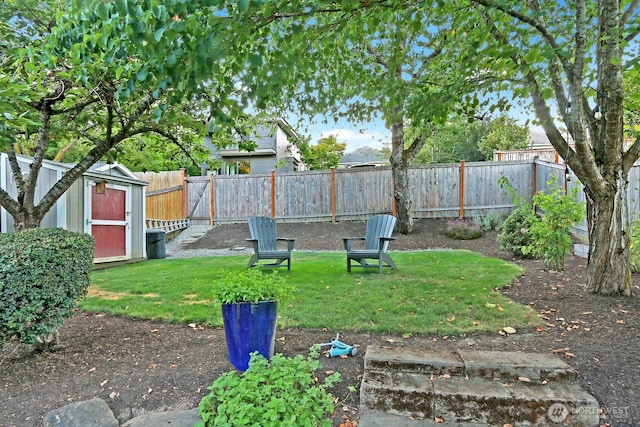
(443, 292)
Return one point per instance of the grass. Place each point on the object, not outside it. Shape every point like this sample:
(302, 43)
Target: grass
(432, 292)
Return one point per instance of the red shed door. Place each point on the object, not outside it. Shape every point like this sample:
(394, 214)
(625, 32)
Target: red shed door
(109, 223)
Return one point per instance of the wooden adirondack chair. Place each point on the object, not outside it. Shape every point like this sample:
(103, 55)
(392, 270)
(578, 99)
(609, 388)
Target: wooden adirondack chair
(376, 243)
(264, 237)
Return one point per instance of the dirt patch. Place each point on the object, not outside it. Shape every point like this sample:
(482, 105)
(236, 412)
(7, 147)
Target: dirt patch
(139, 366)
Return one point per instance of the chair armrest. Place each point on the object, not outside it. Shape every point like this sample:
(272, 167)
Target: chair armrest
(290, 242)
(254, 242)
(348, 241)
(383, 241)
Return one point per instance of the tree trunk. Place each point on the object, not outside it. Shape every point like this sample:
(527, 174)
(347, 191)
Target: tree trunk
(26, 220)
(608, 266)
(400, 173)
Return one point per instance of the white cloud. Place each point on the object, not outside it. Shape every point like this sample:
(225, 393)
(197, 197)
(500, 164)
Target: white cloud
(356, 139)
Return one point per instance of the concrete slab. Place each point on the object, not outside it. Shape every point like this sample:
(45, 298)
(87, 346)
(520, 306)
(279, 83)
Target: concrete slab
(377, 419)
(504, 364)
(581, 250)
(412, 360)
(476, 400)
(569, 401)
(409, 387)
(407, 394)
(169, 419)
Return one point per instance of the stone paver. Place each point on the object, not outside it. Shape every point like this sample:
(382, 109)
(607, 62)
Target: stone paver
(94, 412)
(168, 419)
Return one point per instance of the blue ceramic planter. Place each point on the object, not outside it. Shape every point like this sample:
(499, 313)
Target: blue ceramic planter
(249, 327)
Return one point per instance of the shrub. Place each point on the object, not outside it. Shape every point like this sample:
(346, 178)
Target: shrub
(514, 235)
(43, 272)
(551, 236)
(463, 229)
(634, 247)
(491, 222)
(281, 393)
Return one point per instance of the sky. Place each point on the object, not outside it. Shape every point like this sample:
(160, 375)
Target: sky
(371, 134)
(368, 134)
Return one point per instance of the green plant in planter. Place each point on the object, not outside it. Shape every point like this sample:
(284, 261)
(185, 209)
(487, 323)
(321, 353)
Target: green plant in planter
(284, 392)
(249, 312)
(251, 285)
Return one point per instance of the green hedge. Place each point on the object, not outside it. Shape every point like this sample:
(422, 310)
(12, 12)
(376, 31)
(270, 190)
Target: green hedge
(43, 272)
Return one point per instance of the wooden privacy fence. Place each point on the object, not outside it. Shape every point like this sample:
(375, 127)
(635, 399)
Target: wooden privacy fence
(165, 195)
(438, 191)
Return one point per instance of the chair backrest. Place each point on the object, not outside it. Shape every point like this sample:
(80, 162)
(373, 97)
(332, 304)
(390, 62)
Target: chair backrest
(264, 230)
(379, 226)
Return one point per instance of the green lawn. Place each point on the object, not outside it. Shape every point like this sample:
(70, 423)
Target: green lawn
(443, 292)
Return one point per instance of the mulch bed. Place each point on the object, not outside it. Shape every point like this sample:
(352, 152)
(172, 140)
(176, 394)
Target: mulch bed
(142, 366)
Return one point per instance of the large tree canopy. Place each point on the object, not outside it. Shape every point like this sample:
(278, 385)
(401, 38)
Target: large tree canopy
(95, 74)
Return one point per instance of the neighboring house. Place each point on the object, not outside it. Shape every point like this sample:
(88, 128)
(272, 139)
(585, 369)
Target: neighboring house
(108, 202)
(276, 150)
(540, 149)
(363, 157)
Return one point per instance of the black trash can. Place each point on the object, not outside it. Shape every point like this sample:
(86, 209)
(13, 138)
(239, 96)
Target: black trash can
(155, 244)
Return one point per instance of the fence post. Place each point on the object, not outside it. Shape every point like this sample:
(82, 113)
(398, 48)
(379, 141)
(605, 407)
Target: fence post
(273, 194)
(461, 189)
(535, 175)
(185, 193)
(333, 194)
(212, 204)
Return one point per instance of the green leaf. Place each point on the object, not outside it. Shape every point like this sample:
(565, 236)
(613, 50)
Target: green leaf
(102, 11)
(158, 34)
(171, 59)
(142, 74)
(243, 5)
(546, 93)
(123, 6)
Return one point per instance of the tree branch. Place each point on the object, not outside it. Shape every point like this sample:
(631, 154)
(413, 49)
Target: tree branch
(171, 138)
(77, 107)
(548, 37)
(631, 8)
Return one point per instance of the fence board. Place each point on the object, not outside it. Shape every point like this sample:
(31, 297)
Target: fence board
(165, 194)
(307, 199)
(363, 192)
